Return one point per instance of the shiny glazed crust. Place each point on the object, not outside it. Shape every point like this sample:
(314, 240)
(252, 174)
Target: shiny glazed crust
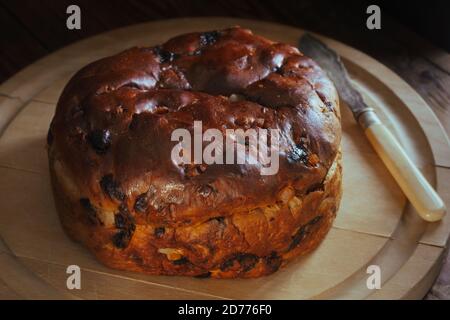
(118, 192)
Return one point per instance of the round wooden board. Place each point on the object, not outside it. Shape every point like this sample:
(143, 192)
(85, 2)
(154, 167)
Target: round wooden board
(375, 224)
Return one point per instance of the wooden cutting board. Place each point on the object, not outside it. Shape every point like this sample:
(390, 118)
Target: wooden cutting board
(375, 224)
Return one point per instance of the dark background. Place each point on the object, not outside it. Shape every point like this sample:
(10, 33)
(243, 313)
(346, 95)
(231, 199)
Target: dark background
(31, 29)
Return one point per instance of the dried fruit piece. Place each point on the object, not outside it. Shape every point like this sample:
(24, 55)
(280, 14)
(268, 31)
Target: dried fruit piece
(164, 55)
(111, 188)
(159, 232)
(315, 220)
(298, 153)
(122, 238)
(123, 219)
(208, 38)
(297, 238)
(302, 232)
(90, 210)
(246, 262)
(125, 222)
(273, 261)
(329, 105)
(205, 190)
(180, 261)
(100, 140)
(141, 203)
(220, 220)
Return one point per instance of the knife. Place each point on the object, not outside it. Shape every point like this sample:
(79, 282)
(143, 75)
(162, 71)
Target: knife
(420, 193)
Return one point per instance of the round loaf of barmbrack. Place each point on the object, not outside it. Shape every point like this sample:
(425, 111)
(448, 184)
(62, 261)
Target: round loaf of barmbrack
(120, 192)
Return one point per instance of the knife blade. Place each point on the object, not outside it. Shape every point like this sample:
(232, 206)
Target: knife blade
(332, 64)
(420, 193)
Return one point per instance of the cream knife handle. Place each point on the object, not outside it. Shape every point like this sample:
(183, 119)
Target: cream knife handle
(416, 188)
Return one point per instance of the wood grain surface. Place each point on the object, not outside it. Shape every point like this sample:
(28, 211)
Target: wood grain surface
(387, 232)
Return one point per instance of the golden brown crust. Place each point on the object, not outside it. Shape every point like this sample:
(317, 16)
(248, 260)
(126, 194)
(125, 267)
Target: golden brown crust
(118, 192)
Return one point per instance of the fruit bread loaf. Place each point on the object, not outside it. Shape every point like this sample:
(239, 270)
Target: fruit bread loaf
(119, 192)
